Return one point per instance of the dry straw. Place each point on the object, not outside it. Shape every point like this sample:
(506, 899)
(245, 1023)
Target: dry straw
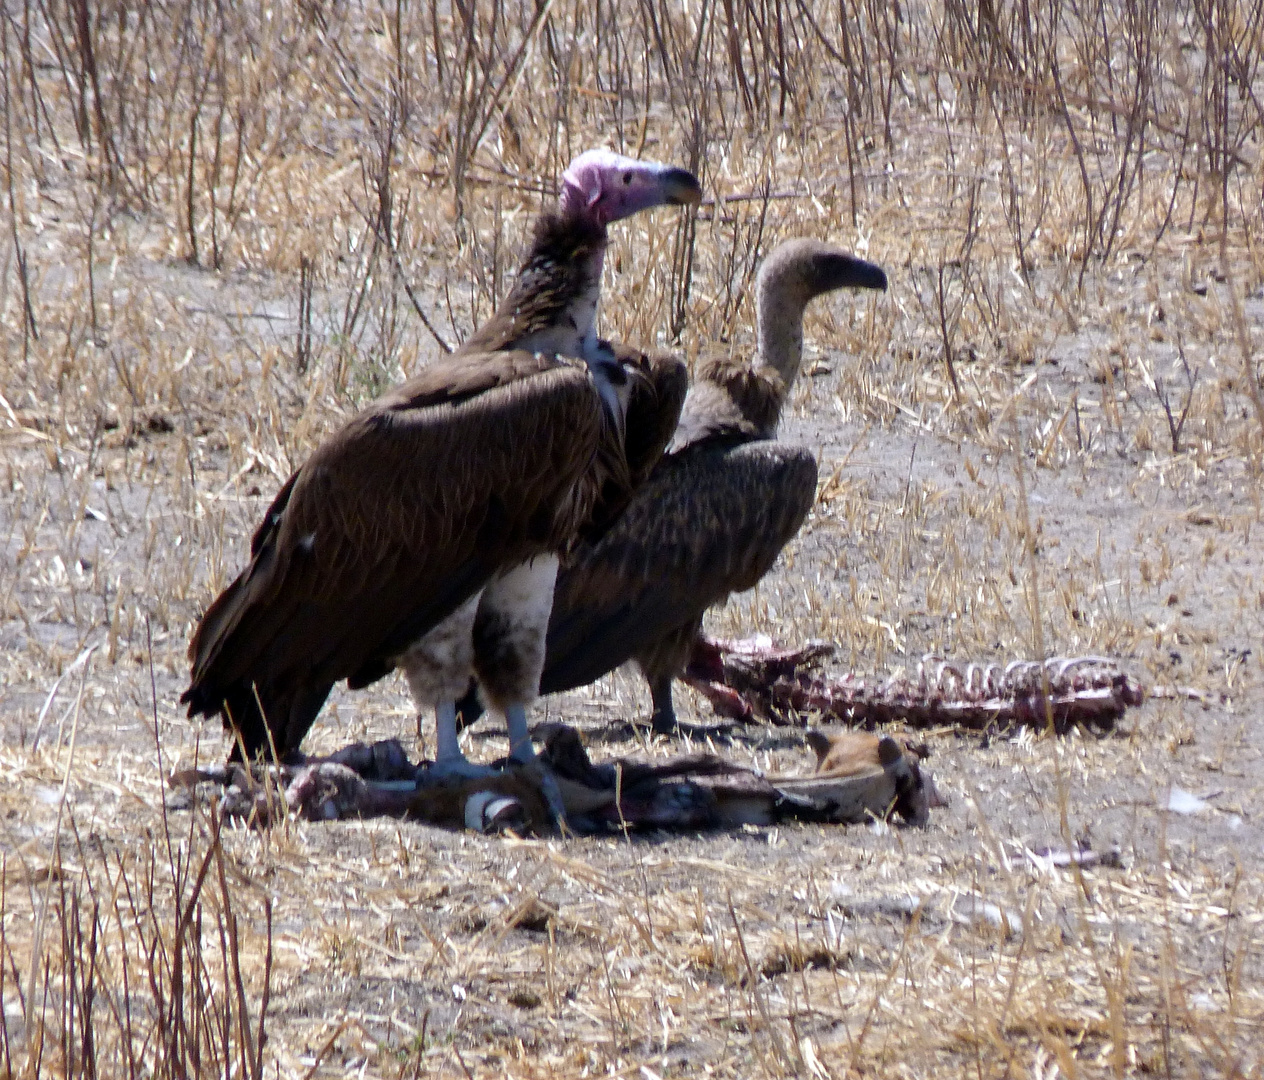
(228, 225)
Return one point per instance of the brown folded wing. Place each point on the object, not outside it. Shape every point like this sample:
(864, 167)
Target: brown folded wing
(653, 408)
(480, 462)
(710, 521)
(656, 392)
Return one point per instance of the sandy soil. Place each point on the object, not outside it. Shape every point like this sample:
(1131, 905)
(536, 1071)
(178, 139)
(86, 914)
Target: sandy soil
(663, 950)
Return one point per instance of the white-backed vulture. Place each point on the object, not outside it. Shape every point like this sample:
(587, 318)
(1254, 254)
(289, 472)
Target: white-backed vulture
(715, 512)
(425, 533)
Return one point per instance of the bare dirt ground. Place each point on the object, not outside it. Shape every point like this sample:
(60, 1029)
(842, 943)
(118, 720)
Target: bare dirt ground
(1045, 438)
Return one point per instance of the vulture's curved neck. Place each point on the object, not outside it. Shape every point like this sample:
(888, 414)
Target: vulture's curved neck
(779, 319)
(552, 307)
(737, 396)
(570, 329)
(554, 302)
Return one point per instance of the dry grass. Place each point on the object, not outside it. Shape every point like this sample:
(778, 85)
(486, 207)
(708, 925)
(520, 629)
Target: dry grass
(228, 225)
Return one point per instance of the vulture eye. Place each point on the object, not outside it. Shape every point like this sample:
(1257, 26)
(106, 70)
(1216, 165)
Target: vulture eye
(627, 179)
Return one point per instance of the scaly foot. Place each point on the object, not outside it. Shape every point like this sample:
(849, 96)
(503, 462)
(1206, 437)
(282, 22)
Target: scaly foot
(668, 725)
(459, 768)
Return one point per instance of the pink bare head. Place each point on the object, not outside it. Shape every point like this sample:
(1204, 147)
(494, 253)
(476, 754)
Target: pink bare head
(607, 187)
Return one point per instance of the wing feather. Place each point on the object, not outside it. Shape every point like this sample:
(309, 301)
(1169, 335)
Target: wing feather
(653, 408)
(730, 400)
(655, 393)
(710, 521)
(482, 460)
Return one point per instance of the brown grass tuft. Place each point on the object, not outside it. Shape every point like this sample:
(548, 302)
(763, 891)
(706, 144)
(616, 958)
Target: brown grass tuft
(227, 226)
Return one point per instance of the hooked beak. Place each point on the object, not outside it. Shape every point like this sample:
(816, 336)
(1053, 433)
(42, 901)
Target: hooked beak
(864, 275)
(838, 270)
(681, 188)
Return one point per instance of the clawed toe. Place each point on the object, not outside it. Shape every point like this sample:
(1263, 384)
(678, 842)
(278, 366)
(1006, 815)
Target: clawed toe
(673, 728)
(459, 769)
(549, 789)
(553, 797)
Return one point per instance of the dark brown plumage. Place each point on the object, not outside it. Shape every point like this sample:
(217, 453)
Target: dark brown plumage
(405, 525)
(717, 509)
(555, 271)
(657, 394)
(710, 521)
(444, 503)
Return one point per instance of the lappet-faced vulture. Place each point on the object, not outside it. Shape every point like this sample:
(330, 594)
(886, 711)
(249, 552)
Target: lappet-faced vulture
(717, 509)
(425, 533)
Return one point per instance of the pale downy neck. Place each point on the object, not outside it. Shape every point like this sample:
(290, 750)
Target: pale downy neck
(779, 330)
(572, 331)
(606, 370)
(584, 309)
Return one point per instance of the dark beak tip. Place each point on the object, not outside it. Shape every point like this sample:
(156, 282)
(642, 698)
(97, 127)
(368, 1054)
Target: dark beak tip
(683, 188)
(869, 276)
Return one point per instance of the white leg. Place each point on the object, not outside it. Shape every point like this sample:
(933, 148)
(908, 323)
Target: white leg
(520, 748)
(448, 746)
(438, 665)
(449, 761)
